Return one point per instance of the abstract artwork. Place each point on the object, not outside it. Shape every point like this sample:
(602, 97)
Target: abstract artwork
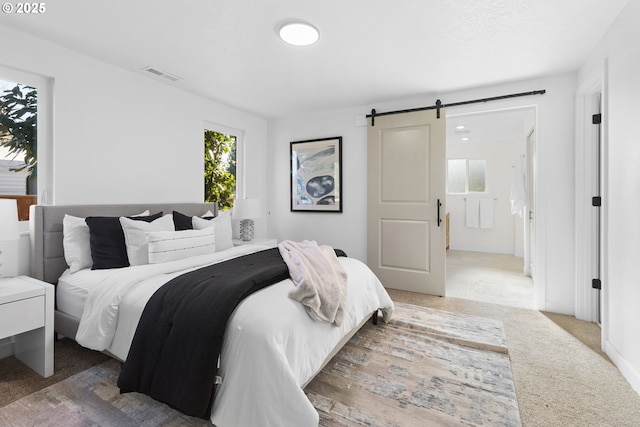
(316, 175)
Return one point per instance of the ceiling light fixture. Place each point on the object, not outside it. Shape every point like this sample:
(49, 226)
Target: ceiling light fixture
(299, 33)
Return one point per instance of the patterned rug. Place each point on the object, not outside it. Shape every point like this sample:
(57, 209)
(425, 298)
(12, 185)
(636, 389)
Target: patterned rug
(92, 398)
(426, 367)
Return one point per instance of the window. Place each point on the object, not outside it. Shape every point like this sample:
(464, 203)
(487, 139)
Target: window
(18, 145)
(466, 176)
(219, 168)
(476, 176)
(457, 176)
(18, 138)
(35, 111)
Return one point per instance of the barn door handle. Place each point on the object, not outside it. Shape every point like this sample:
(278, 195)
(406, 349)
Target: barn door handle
(439, 219)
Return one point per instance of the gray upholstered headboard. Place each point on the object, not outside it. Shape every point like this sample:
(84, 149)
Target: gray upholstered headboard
(47, 253)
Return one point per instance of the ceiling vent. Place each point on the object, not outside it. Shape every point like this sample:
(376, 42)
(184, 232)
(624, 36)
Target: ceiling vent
(162, 74)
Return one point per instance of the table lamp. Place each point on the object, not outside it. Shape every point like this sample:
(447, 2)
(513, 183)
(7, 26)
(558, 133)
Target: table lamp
(246, 210)
(9, 238)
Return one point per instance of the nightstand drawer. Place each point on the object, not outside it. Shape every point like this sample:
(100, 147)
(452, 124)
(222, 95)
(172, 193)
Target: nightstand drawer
(21, 316)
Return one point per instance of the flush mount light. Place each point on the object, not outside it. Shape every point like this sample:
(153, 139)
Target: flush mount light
(299, 33)
(460, 127)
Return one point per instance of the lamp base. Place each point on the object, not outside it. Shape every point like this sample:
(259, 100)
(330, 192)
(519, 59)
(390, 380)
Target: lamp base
(246, 230)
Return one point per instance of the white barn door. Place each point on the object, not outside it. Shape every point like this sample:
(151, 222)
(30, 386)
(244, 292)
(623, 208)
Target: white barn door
(406, 201)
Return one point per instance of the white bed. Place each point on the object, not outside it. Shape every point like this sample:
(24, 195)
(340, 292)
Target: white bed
(271, 350)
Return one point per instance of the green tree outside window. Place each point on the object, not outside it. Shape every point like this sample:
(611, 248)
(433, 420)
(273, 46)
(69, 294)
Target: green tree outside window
(18, 124)
(219, 168)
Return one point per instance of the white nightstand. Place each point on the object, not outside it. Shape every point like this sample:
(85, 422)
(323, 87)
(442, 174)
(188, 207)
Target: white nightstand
(272, 243)
(26, 312)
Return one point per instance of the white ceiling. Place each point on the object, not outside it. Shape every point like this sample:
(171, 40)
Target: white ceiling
(369, 50)
(494, 126)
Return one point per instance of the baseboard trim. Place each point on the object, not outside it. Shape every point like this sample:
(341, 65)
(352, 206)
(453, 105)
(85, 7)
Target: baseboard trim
(556, 307)
(628, 372)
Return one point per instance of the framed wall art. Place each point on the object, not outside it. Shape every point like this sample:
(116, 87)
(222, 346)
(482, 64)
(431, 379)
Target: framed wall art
(316, 175)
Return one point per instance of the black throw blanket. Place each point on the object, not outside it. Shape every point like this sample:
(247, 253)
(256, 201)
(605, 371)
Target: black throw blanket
(174, 353)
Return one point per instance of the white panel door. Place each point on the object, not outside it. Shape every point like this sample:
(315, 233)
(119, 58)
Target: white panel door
(406, 157)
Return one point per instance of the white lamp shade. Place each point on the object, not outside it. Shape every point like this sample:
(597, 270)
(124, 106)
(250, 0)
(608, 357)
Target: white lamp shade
(247, 209)
(9, 220)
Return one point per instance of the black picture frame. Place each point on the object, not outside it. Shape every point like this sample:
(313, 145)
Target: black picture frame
(316, 175)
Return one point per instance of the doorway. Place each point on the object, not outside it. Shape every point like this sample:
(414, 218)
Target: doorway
(491, 229)
(590, 204)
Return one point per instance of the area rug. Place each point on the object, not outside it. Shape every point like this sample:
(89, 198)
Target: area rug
(425, 367)
(91, 398)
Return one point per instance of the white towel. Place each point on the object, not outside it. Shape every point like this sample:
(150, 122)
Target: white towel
(473, 213)
(518, 189)
(486, 213)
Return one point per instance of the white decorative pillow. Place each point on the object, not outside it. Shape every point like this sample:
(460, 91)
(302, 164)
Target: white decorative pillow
(165, 246)
(135, 239)
(75, 241)
(222, 227)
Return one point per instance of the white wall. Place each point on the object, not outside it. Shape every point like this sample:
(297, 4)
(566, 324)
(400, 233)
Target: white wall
(346, 230)
(621, 198)
(121, 137)
(501, 158)
(555, 130)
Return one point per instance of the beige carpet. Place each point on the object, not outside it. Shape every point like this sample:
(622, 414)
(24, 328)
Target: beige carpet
(447, 368)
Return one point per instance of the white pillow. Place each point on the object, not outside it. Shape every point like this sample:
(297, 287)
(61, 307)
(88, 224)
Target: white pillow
(135, 239)
(75, 241)
(165, 246)
(222, 229)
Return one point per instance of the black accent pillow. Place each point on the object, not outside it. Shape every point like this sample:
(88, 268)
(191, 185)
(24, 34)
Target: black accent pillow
(184, 222)
(106, 239)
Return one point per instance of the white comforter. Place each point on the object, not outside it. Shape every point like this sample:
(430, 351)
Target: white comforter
(272, 348)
